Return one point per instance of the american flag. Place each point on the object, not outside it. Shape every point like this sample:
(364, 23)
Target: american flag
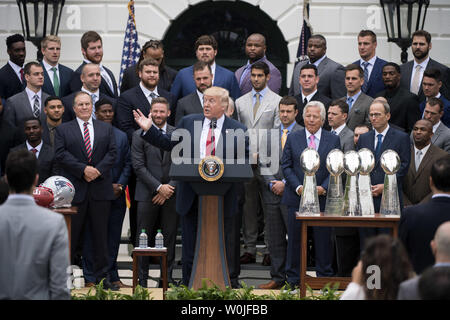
(305, 34)
(131, 47)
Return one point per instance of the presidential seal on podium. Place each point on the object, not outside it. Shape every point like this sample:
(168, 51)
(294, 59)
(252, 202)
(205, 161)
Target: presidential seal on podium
(211, 168)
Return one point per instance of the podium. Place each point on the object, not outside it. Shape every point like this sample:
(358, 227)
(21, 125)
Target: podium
(210, 260)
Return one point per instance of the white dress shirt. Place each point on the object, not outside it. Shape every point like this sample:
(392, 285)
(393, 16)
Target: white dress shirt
(308, 97)
(49, 70)
(422, 70)
(204, 135)
(147, 92)
(38, 148)
(31, 95)
(369, 66)
(200, 96)
(16, 69)
(382, 133)
(436, 126)
(339, 129)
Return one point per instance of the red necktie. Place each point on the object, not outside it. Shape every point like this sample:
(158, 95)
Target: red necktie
(34, 151)
(22, 78)
(87, 142)
(210, 143)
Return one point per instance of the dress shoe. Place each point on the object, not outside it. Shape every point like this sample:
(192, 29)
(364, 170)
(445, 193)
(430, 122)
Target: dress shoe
(266, 260)
(109, 285)
(247, 258)
(271, 285)
(89, 285)
(120, 284)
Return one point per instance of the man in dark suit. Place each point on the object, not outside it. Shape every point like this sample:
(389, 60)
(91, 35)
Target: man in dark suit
(416, 187)
(92, 50)
(193, 102)
(205, 50)
(54, 110)
(276, 213)
(155, 190)
(331, 73)
(413, 70)
(309, 80)
(337, 117)
(120, 173)
(381, 138)
(358, 102)
(86, 151)
(434, 111)
(215, 103)
(404, 104)
(12, 77)
(418, 223)
(30, 102)
(47, 166)
(56, 76)
(91, 79)
(255, 50)
(371, 64)
(10, 137)
(152, 49)
(431, 84)
(140, 96)
(313, 136)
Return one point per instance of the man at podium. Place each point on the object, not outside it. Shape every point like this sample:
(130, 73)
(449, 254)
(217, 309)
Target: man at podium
(203, 135)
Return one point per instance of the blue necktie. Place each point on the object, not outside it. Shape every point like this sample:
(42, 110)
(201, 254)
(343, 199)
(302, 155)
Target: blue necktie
(350, 102)
(366, 77)
(378, 148)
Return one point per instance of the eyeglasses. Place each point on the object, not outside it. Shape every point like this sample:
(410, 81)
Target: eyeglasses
(375, 115)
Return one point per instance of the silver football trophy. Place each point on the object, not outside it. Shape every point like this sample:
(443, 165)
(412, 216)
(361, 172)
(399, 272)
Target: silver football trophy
(310, 162)
(352, 165)
(364, 183)
(390, 203)
(335, 194)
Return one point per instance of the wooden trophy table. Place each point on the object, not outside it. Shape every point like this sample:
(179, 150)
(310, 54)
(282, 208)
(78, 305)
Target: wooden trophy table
(376, 221)
(67, 213)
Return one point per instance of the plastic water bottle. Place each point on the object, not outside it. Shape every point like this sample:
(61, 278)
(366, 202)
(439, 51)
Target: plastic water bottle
(159, 240)
(143, 240)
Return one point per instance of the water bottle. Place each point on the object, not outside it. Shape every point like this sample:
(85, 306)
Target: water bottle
(143, 240)
(159, 240)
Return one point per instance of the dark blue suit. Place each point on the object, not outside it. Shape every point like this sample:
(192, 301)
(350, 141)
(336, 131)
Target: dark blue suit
(376, 83)
(184, 83)
(65, 76)
(290, 163)
(186, 198)
(446, 117)
(399, 142)
(76, 84)
(10, 83)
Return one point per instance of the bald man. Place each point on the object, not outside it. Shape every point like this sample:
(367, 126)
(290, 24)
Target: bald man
(255, 50)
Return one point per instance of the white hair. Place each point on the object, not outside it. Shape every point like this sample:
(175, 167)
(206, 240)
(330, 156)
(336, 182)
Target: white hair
(319, 104)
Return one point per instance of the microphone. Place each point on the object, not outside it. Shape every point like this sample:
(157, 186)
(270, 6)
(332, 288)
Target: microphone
(213, 123)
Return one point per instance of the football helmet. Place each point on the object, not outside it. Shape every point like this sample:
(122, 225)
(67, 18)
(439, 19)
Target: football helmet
(63, 191)
(43, 196)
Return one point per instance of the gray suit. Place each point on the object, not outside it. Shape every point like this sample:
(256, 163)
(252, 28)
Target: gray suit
(34, 252)
(409, 289)
(18, 108)
(331, 79)
(441, 138)
(346, 137)
(152, 169)
(188, 105)
(276, 220)
(359, 113)
(267, 117)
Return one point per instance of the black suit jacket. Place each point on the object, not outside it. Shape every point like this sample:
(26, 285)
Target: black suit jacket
(47, 165)
(67, 102)
(134, 99)
(405, 81)
(131, 79)
(75, 82)
(70, 153)
(317, 97)
(10, 83)
(188, 105)
(10, 136)
(417, 227)
(65, 76)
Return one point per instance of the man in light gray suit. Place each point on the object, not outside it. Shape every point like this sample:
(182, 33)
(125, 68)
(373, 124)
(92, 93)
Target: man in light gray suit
(409, 289)
(434, 111)
(257, 110)
(30, 102)
(358, 102)
(337, 117)
(34, 246)
(155, 190)
(331, 73)
(274, 183)
(193, 103)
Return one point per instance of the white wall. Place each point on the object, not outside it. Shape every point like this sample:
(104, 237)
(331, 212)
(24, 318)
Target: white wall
(338, 21)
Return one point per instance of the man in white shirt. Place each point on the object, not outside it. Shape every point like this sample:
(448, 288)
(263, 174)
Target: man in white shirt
(12, 77)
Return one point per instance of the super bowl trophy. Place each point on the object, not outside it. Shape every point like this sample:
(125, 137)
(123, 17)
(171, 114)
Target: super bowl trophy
(390, 203)
(352, 165)
(310, 162)
(335, 194)
(364, 184)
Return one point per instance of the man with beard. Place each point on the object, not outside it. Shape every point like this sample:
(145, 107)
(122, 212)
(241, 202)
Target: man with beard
(193, 103)
(54, 109)
(92, 50)
(431, 84)
(255, 49)
(404, 104)
(12, 77)
(414, 69)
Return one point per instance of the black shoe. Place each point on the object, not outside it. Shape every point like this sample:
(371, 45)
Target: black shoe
(266, 260)
(143, 283)
(108, 285)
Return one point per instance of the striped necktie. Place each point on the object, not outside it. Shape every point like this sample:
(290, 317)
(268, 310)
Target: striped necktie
(36, 106)
(87, 142)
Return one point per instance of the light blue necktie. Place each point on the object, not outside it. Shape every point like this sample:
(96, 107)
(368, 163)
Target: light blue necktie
(350, 103)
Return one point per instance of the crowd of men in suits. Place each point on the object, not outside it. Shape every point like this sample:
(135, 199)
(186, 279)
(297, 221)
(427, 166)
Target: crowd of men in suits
(79, 126)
